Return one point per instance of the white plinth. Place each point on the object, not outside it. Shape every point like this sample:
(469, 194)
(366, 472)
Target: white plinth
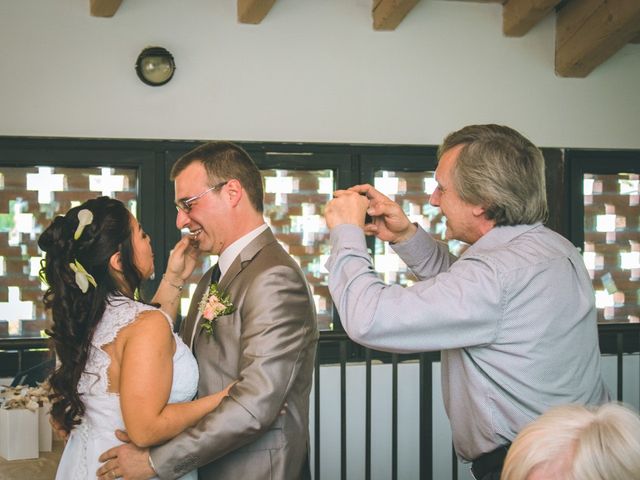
(18, 434)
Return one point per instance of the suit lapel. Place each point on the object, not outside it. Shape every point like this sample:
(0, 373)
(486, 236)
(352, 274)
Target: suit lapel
(239, 263)
(245, 256)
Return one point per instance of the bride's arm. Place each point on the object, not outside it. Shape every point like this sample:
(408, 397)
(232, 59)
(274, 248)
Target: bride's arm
(181, 263)
(146, 372)
(168, 295)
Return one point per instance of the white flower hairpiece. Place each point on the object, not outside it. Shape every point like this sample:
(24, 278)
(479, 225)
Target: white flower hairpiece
(83, 278)
(85, 217)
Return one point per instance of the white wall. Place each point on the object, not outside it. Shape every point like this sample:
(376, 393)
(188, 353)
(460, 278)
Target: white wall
(312, 71)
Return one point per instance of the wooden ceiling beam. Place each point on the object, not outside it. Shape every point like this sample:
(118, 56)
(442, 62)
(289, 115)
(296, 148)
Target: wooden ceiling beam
(253, 11)
(104, 8)
(520, 16)
(388, 14)
(588, 32)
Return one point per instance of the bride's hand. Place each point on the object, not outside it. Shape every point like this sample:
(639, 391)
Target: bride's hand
(182, 260)
(216, 398)
(58, 431)
(225, 390)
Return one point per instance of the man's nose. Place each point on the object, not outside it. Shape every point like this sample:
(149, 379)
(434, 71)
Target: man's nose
(182, 219)
(433, 199)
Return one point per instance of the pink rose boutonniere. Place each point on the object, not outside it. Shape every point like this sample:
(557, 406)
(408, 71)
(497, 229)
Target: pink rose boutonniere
(213, 305)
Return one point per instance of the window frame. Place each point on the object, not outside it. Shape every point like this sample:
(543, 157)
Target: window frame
(352, 164)
(581, 162)
(83, 153)
(598, 162)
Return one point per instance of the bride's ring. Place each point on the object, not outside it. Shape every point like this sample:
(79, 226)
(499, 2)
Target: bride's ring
(113, 474)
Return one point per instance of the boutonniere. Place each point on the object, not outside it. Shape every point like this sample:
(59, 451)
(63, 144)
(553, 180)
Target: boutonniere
(214, 304)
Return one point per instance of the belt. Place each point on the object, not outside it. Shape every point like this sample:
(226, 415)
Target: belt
(489, 462)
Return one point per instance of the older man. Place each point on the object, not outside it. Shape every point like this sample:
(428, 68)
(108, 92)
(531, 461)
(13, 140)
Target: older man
(514, 316)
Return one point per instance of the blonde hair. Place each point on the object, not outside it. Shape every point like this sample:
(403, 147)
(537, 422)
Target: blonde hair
(578, 443)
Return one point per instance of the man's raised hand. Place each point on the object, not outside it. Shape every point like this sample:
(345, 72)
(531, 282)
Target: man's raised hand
(346, 207)
(389, 222)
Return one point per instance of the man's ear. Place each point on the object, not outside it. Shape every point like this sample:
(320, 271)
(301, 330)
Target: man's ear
(115, 262)
(478, 211)
(234, 191)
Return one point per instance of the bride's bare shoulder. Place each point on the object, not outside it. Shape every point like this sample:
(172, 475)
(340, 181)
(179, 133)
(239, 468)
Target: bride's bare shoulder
(150, 324)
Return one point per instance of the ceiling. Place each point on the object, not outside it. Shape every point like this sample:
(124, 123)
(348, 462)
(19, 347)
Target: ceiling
(588, 32)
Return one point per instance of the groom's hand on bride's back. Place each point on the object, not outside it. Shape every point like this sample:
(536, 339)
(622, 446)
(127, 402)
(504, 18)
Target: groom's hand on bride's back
(127, 461)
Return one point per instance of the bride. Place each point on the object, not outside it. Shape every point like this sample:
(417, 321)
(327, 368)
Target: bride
(120, 366)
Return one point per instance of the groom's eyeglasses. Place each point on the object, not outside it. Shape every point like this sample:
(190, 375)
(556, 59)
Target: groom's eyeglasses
(186, 204)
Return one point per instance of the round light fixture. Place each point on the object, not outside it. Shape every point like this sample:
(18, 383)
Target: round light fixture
(155, 66)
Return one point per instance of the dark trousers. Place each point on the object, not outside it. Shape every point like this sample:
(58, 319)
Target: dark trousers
(489, 465)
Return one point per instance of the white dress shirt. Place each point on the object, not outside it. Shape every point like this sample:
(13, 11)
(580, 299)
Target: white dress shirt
(232, 251)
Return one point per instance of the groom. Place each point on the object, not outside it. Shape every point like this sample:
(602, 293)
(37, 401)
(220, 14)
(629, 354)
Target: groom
(267, 343)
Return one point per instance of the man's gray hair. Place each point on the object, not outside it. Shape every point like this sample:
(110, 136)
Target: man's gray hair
(502, 171)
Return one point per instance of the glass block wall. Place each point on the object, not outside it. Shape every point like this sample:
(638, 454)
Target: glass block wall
(294, 208)
(30, 197)
(612, 243)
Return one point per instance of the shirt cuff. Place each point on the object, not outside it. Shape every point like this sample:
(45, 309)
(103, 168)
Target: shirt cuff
(415, 246)
(345, 237)
(349, 236)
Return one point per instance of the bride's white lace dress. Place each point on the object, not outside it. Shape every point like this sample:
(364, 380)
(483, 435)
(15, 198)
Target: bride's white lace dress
(102, 417)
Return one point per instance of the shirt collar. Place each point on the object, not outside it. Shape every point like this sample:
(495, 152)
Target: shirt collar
(500, 236)
(232, 251)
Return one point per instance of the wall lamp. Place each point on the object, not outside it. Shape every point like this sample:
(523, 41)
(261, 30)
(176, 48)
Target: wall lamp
(155, 66)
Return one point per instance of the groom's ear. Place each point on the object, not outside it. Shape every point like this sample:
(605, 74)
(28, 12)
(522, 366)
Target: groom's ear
(115, 262)
(235, 192)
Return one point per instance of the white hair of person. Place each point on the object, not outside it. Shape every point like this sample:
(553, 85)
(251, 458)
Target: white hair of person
(573, 442)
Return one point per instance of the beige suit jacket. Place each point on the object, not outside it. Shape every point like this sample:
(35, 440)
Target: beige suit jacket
(269, 345)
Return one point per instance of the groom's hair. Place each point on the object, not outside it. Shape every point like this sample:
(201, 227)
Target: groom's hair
(225, 161)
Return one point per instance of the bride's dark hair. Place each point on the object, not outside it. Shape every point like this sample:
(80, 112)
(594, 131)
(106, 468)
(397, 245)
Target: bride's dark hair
(76, 314)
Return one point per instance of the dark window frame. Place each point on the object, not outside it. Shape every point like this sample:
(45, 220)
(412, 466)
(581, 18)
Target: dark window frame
(79, 153)
(596, 161)
(592, 161)
(352, 164)
(153, 160)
